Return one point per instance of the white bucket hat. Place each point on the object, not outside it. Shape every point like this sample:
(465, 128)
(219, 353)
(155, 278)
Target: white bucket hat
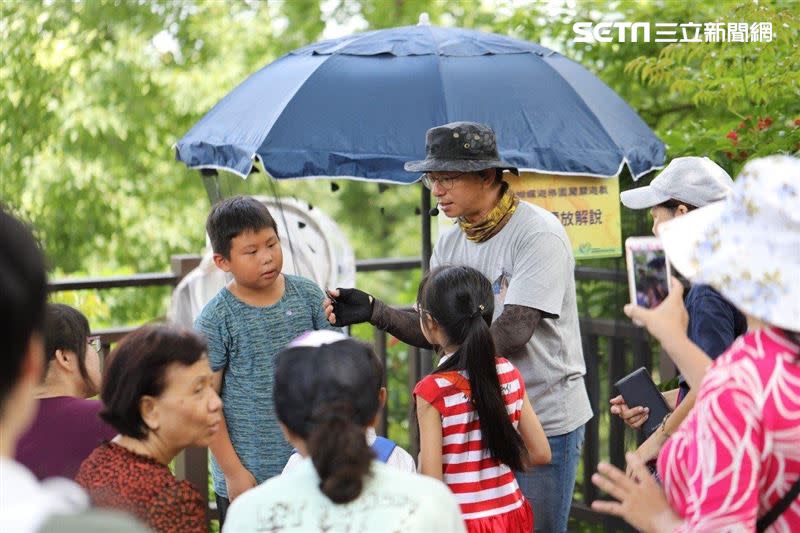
(747, 246)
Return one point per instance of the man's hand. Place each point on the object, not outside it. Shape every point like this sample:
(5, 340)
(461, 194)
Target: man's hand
(633, 416)
(347, 306)
(239, 482)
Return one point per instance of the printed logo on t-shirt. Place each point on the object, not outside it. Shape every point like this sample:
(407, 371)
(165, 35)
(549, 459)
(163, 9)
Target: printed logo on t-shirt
(499, 288)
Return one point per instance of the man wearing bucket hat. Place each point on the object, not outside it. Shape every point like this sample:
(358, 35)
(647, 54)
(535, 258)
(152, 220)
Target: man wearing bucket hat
(686, 184)
(525, 252)
(734, 464)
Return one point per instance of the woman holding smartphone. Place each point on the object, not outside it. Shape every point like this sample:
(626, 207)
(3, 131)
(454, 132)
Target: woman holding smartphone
(734, 462)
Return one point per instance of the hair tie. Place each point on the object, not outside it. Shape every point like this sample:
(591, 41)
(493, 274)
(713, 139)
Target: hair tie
(478, 312)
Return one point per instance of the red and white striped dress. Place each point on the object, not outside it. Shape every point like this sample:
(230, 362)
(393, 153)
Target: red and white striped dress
(485, 488)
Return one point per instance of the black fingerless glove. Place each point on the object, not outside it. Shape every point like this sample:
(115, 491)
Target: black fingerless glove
(352, 306)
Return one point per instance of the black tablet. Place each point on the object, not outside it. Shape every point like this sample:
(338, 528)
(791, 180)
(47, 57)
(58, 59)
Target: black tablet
(638, 389)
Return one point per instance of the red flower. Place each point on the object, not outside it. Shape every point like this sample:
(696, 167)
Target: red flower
(742, 154)
(797, 121)
(733, 136)
(764, 123)
(729, 155)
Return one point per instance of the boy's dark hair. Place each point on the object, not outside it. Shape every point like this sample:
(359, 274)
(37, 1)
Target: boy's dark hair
(66, 328)
(23, 292)
(461, 301)
(231, 217)
(137, 368)
(322, 394)
(673, 204)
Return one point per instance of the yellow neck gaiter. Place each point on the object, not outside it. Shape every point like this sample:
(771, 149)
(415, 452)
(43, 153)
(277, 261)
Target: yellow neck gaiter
(497, 218)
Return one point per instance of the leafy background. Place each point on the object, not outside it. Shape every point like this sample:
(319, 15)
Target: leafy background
(94, 94)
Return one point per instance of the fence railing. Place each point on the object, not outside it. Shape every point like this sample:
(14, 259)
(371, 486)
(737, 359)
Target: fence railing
(623, 345)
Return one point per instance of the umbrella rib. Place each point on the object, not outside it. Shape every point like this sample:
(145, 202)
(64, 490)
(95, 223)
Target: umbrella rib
(439, 74)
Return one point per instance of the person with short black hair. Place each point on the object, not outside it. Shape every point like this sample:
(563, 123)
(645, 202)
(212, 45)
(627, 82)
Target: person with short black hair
(320, 401)
(158, 394)
(229, 218)
(67, 426)
(24, 503)
(246, 324)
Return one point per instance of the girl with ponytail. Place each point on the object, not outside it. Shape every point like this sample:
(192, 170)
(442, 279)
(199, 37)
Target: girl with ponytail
(476, 424)
(325, 393)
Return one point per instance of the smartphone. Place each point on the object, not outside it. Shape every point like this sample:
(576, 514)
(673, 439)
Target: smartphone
(638, 389)
(648, 271)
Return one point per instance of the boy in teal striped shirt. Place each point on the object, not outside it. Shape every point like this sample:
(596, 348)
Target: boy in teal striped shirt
(246, 324)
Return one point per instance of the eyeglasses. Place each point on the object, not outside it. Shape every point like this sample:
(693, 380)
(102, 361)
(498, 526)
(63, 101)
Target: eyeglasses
(95, 342)
(445, 182)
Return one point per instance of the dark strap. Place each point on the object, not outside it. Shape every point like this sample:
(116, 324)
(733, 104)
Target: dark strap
(770, 516)
(383, 448)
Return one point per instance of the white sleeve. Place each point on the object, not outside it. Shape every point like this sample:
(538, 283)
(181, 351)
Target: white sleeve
(402, 460)
(293, 461)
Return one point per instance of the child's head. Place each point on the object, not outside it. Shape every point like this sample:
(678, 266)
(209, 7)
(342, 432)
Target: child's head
(453, 302)
(326, 394)
(455, 305)
(244, 237)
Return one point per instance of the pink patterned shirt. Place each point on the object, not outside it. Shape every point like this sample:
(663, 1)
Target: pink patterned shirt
(738, 451)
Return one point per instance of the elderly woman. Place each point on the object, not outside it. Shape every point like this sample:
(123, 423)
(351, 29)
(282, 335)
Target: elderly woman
(158, 394)
(67, 426)
(734, 464)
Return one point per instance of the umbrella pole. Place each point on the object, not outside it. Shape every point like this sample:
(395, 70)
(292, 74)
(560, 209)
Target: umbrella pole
(211, 183)
(425, 356)
(425, 207)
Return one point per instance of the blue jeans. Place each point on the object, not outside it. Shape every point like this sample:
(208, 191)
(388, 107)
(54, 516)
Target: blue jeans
(549, 487)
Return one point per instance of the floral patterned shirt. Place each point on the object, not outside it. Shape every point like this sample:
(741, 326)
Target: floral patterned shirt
(738, 452)
(117, 478)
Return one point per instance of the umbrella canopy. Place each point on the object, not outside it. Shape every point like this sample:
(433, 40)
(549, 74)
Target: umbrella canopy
(359, 107)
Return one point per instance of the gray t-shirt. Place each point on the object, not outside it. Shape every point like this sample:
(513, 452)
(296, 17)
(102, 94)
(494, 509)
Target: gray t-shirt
(243, 341)
(530, 263)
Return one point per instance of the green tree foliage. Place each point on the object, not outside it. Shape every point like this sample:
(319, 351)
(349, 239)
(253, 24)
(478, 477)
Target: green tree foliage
(95, 93)
(728, 101)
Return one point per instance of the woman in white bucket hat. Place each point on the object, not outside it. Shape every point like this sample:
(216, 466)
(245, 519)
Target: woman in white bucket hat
(735, 462)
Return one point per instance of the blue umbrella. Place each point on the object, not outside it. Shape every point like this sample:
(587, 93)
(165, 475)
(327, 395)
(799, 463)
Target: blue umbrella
(359, 107)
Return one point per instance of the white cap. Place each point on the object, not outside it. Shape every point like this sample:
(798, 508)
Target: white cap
(696, 181)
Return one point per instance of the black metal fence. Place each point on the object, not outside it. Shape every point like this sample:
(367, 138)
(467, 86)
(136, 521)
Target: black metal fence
(611, 349)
